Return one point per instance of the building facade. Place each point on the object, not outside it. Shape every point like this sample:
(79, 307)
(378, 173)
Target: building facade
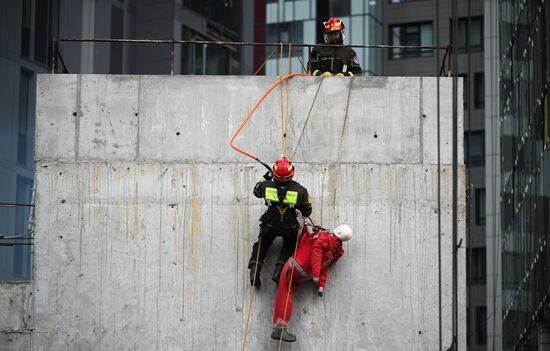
(27, 29)
(417, 23)
(525, 173)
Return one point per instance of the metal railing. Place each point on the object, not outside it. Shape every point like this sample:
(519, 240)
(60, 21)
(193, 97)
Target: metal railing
(58, 58)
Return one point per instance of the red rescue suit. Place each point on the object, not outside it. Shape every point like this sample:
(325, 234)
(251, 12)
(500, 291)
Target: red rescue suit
(316, 252)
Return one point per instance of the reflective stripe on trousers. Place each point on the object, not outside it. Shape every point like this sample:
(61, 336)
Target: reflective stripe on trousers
(292, 262)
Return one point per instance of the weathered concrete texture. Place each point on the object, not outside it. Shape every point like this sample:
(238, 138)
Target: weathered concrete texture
(145, 216)
(16, 315)
(189, 118)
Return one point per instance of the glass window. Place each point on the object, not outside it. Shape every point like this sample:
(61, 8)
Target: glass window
(286, 32)
(339, 8)
(410, 34)
(546, 120)
(476, 266)
(271, 11)
(22, 251)
(45, 29)
(26, 29)
(481, 325)
(192, 54)
(117, 32)
(301, 10)
(356, 32)
(480, 206)
(474, 148)
(38, 35)
(24, 116)
(219, 60)
(474, 31)
(465, 91)
(225, 12)
(357, 7)
(479, 90)
(288, 11)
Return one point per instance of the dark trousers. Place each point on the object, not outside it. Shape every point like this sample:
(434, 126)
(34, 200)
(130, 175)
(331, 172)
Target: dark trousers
(268, 233)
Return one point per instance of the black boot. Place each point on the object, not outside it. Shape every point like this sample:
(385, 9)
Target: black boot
(258, 282)
(287, 337)
(277, 273)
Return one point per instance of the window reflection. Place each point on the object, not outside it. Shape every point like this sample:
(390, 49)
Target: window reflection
(525, 166)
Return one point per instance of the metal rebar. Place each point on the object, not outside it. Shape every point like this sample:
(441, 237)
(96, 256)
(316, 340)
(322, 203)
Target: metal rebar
(8, 204)
(54, 54)
(454, 17)
(16, 244)
(439, 275)
(468, 172)
(17, 238)
(240, 43)
(172, 58)
(442, 69)
(65, 69)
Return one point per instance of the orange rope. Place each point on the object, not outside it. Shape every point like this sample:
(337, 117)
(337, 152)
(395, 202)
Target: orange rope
(251, 113)
(232, 144)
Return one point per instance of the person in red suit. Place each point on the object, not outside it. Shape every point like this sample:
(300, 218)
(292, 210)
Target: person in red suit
(317, 250)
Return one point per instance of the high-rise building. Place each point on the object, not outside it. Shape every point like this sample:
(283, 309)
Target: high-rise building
(300, 22)
(417, 23)
(520, 175)
(27, 28)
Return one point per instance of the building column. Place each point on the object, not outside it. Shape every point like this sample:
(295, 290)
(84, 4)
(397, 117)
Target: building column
(492, 176)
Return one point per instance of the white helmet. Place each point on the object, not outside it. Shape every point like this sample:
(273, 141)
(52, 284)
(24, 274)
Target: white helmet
(343, 232)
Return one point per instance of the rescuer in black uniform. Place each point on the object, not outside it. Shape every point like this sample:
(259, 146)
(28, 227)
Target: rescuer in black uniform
(283, 196)
(334, 60)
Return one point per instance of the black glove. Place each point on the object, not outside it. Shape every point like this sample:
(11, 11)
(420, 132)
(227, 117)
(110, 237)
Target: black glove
(320, 292)
(267, 175)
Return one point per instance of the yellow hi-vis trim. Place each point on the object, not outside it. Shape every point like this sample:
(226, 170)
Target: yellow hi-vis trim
(291, 197)
(271, 194)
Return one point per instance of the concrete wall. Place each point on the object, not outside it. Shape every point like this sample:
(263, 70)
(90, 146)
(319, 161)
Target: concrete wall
(16, 318)
(145, 216)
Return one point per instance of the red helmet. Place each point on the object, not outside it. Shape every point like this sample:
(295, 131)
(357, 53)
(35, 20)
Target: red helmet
(333, 24)
(283, 170)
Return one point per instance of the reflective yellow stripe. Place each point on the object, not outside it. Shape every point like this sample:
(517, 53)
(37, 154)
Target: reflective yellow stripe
(316, 72)
(291, 197)
(351, 74)
(271, 194)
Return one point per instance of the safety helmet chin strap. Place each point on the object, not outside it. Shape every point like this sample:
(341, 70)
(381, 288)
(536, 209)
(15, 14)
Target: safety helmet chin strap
(339, 42)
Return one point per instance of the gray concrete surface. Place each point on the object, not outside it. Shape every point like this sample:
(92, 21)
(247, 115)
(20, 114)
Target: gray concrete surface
(145, 217)
(16, 315)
